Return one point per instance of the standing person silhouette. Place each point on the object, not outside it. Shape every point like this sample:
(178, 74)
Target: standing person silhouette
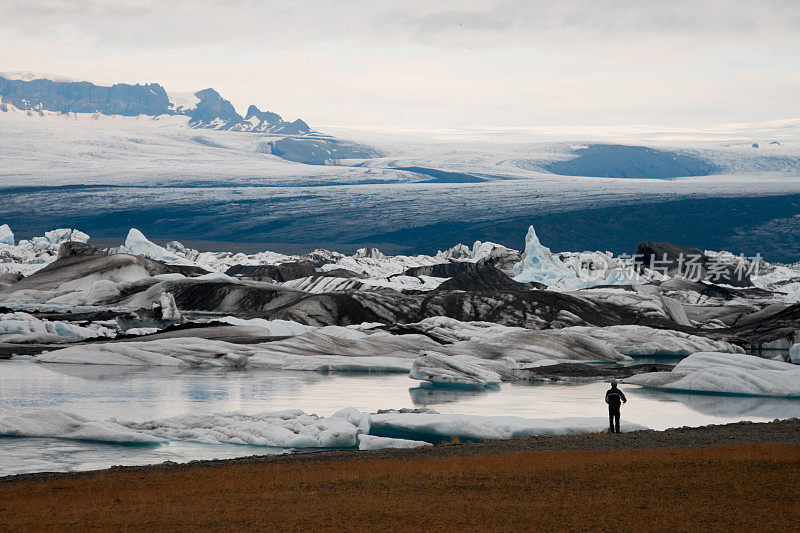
(614, 398)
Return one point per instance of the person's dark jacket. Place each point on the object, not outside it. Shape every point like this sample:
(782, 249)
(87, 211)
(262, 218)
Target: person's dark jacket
(615, 398)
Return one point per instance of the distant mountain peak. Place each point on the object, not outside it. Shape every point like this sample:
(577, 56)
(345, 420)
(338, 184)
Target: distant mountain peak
(39, 92)
(267, 117)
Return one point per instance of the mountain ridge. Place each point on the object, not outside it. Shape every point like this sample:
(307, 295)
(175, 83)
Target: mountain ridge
(39, 92)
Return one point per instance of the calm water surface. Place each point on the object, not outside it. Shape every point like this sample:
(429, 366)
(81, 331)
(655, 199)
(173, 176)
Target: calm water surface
(138, 394)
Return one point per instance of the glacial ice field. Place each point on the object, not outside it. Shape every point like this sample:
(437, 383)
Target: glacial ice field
(105, 174)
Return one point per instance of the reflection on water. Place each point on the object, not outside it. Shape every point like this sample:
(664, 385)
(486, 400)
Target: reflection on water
(745, 407)
(141, 393)
(426, 395)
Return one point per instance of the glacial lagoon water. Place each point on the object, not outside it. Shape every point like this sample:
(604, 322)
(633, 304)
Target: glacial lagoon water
(138, 394)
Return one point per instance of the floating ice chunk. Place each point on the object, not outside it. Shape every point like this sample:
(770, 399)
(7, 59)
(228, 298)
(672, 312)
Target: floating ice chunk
(575, 271)
(328, 363)
(141, 331)
(371, 442)
(6, 236)
(355, 417)
(541, 266)
(721, 373)
(63, 425)
(643, 341)
(452, 370)
(297, 353)
(278, 328)
(794, 354)
(216, 276)
(22, 327)
(169, 309)
(291, 428)
(451, 330)
(137, 244)
(180, 351)
(37, 252)
(437, 427)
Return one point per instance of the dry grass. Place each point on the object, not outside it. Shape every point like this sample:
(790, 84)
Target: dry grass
(722, 489)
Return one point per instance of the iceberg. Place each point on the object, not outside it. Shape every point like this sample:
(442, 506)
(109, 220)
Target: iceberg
(179, 351)
(291, 428)
(315, 352)
(348, 428)
(277, 328)
(575, 271)
(435, 427)
(6, 236)
(371, 442)
(63, 425)
(137, 244)
(452, 370)
(539, 265)
(29, 256)
(20, 327)
(721, 373)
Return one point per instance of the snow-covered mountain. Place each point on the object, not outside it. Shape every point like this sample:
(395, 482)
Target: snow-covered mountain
(207, 109)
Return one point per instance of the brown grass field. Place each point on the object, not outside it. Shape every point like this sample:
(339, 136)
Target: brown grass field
(722, 488)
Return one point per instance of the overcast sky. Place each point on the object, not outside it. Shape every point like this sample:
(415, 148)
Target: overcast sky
(433, 64)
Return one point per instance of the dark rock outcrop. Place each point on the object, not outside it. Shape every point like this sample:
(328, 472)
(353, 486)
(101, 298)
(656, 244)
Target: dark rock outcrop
(84, 97)
(213, 111)
(319, 151)
(267, 118)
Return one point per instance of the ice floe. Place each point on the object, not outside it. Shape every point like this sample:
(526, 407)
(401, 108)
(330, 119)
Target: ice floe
(181, 351)
(29, 255)
(371, 442)
(63, 425)
(293, 428)
(433, 427)
(6, 236)
(452, 370)
(720, 373)
(20, 327)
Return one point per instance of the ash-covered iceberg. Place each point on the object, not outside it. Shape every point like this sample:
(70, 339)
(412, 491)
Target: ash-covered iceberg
(452, 370)
(724, 373)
